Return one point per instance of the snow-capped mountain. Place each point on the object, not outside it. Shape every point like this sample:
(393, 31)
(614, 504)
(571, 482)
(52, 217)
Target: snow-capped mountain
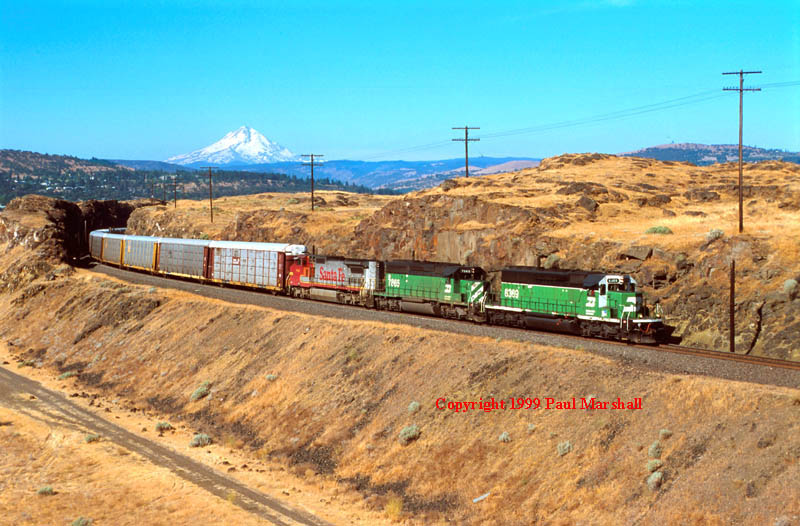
(242, 146)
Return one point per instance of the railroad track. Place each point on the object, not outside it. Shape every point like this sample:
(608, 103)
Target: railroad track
(679, 349)
(721, 355)
(669, 348)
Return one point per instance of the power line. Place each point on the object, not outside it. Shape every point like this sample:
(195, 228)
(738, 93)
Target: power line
(696, 98)
(428, 146)
(466, 140)
(786, 84)
(619, 114)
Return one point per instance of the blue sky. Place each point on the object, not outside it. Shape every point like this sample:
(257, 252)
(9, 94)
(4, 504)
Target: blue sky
(376, 80)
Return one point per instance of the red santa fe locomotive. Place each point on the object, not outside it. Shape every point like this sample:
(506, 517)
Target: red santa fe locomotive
(333, 278)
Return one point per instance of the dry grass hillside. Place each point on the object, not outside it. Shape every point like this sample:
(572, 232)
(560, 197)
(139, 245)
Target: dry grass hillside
(51, 475)
(263, 217)
(573, 211)
(330, 399)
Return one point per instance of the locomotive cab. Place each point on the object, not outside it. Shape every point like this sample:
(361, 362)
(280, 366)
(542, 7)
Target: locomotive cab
(618, 298)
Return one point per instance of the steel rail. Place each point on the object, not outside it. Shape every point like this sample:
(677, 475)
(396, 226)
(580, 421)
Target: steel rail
(676, 349)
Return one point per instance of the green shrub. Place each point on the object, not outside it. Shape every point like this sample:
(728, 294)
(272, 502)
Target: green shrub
(68, 374)
(272, 377)
(664, 434)
(409, 434)
(531, 428)
(27, 363)
(394, 508)
(790, 288)
(82, 521)
(505, 437)
(654, 481)
(200, 392)
(714, 234)
(46, 491)
(655, 450)
(164, 426)
(91, 438)
(654, 464)
(200, 440)
(563, 448)
(292, 201)
(658, 230)
(353, 355)
(413, 407)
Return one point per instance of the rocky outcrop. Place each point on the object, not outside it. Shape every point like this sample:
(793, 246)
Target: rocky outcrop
(108, 214)
(49, 227)
(50, 234)
(459, 229)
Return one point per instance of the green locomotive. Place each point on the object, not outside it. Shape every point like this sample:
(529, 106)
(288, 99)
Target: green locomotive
(588, 303)
(441, 289)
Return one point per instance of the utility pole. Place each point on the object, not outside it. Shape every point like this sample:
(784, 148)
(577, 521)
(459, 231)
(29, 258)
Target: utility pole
(164, 188)
(466, 141)
(732, 344)
(312, 156)
(175, 190)
(152, 190)
(210, 193)
(741, 89)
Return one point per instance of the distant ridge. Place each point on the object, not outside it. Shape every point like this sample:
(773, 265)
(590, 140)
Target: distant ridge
(704, 154)
(149, 165)
(403, 176)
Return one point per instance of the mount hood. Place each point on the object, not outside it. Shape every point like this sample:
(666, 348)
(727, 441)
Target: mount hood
(239, 147)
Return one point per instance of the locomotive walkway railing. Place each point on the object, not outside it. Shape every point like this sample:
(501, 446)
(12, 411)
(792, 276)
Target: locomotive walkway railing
(540, 306)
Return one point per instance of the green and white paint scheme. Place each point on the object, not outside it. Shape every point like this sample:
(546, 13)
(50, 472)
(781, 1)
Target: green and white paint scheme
(613, 299)
(436, 288)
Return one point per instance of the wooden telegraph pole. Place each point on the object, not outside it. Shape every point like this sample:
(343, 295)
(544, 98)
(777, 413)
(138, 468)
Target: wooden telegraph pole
(175, 190)
(312, 156)
(466, 141)
(741, 89)
(210, 193)
(732, 343)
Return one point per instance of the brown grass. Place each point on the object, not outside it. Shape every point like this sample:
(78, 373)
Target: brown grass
(354, 410)
(98, 481)
(625, 221)
(328, 220)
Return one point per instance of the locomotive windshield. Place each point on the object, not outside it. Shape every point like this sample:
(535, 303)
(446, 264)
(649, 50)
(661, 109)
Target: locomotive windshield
(621, 284)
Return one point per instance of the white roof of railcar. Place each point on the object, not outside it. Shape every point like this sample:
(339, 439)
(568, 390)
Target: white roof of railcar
(247, 245)
(241, 245)
(181, 241)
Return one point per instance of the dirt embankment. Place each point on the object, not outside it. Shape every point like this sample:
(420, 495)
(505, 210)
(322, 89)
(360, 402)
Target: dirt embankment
(333, 399)
(52, 475)
(43, 236)
(574, 211)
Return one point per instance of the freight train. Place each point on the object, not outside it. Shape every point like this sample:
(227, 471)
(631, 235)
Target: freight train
(593, 304)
